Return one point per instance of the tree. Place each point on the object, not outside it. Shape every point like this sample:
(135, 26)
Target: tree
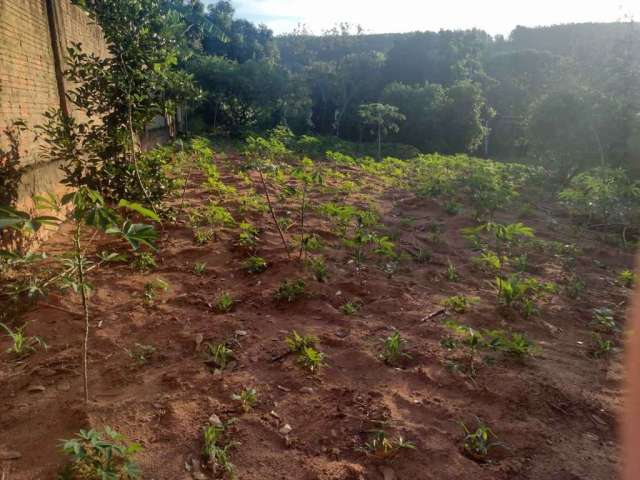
(384, 118)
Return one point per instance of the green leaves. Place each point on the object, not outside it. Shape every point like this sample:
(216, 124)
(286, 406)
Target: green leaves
(22, 221)
(136, 207)
(137, 234)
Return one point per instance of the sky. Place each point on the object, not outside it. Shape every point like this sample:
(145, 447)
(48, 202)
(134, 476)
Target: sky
(384, 16)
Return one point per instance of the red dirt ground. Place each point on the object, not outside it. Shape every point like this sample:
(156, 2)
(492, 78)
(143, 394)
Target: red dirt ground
(556, 413)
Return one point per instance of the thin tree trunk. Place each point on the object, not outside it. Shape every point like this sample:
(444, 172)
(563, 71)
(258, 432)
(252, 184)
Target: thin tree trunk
(134, 159)
(273, 214)
(85, 307)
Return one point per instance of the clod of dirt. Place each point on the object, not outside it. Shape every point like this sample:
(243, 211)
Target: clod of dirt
(36, 389)
(215, 421)
(10, 455)
(388, 473)
(286, 430)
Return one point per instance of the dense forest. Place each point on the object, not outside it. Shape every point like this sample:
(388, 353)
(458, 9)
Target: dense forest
(565, 96)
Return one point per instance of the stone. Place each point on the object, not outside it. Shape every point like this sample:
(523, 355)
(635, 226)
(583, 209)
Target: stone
(36, 389)
(10, 455)
(215, 421)
(286, 430)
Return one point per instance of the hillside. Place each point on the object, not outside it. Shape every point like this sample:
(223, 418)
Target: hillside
(417, 336)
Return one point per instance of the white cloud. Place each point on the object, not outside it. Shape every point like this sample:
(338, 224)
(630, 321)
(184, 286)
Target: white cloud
(494, 16)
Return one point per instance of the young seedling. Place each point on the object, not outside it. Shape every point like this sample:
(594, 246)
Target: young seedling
(627, 278)
(478, 444)
(393, 349)
(248, 237)
(311, 359)
(452, 272)
(350, 308)
(215, 452)
(460, 303)
(601, 347)
(144, 262)
(202, 236)
(575, 287)
(248, 399)
(141, 354)
(255, 265)
(219, 354)
(603, 319)
(153, 289)
(290, 291)
(199, 268)
(297, 343)
(319, 268)
(382, 446)
(22, 345)
(224, 303)
(95, 455)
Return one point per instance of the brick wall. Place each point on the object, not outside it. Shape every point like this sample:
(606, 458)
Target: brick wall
(28, 82)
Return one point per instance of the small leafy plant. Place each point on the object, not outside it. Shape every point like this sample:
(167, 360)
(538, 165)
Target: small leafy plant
(290, 291)
(627, 278)
(248, 237)
(350, 308)
(141, 354)
(224, 303)
(100, 456)
(22, 345)
(144, 262)
(199, 268)
(219, 354)
(382, 446)
(318, 268)
(460, 303)
(248, 398)
(255, 265)
(311, 359)
(216, 451)
(603, 319)
(153, 289)
(477, 444)
(452, 272)
(394, 349)
(601, 346)
(297, 343)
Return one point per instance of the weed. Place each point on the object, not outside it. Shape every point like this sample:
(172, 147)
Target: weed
(199, 268)
(100, 456)
(255, 265)
(382, 446)
(627, 278)
(452, 207)
(202, 236)
(141, 354)
(248, 399)
(604, 320)
(460, 303)
(290, 291)
(219, 354)
(224, 303)
(319, 268)
(516, 344)
(152, 289)
(215, 452)
(297, 343)
(478, 444)
(488, 261)
(575, 287)
(601, 347)
(393, 349)
(311, 359)
(144, 262)
(452, 272)
(22, 345)
(350, 308)
(423, 256)
(248, 237)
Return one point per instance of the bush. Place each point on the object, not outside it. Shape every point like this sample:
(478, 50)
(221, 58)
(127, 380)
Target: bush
(603, 195)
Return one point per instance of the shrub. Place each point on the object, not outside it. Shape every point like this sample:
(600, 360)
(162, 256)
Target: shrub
(290, 291)
(99, 456)
(255, 265)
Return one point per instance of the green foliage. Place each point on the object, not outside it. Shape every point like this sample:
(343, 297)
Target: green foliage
(319, 268)
(248, 398)
(141, 354)
(514, 344)
(477, 444)
(224, 303)
(219, 354)
(22, 345)
(290, 291)
(350, 308)
(248, 236)
(153, 289)
(144, 262)
(199, 268)
(394, 349)
(452, 272)
(460, 303)
(603, 195)
(627, 278)
(311, 359)
(575, 287)
(255, 265)
(101, 455)
(298, 343)
(216, 450)
(601, 347)
(604, 320)
(382, 446)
